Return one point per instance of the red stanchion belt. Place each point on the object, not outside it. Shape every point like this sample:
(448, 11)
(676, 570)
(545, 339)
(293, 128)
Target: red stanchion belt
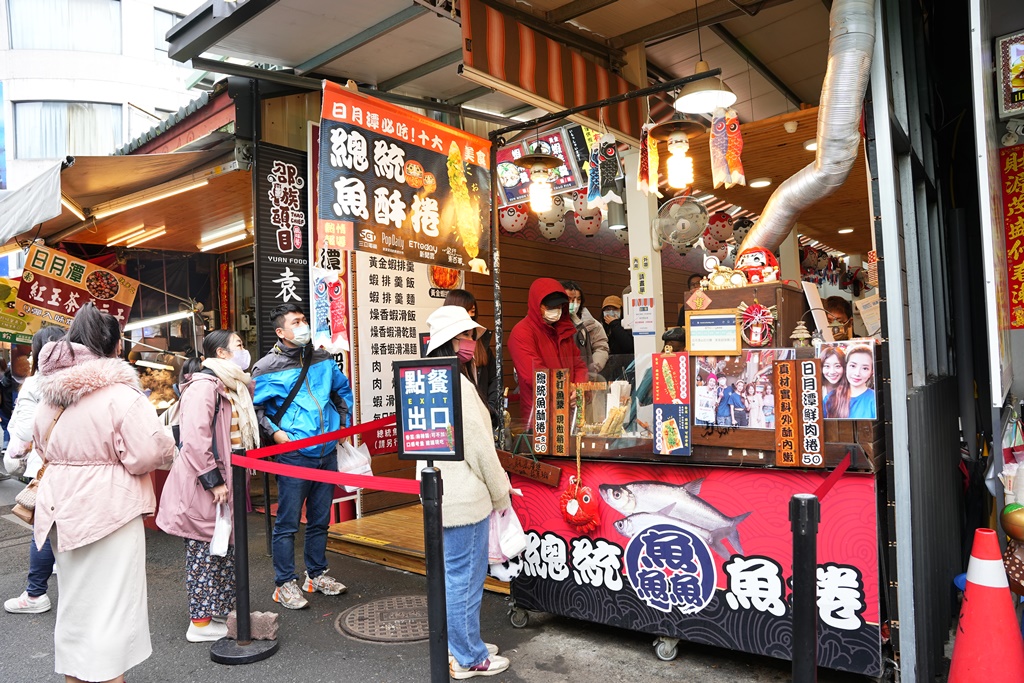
(392, 484)
(291, 446)
(831, 480)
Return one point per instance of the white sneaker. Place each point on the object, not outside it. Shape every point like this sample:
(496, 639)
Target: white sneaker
(326, 584)
(290, 596)
(202, 634)
(491, 666)
(25, 604)
(492, 650)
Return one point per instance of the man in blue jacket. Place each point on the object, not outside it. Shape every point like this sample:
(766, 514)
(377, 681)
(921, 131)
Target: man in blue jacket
(320, 405)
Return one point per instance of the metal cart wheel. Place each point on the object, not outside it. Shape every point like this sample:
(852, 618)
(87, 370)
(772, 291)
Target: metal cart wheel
(519, 617)
(666, 648)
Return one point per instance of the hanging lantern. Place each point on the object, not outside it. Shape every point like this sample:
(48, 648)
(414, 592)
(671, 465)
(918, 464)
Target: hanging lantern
(676, 133)
(542, 173)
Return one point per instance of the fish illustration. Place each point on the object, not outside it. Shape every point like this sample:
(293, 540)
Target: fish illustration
(735, 149)
(719, 143)
(683, 502)
(594, 176)
(633, 524)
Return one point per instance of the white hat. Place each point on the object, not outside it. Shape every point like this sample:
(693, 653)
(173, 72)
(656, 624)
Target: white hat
(446, 322)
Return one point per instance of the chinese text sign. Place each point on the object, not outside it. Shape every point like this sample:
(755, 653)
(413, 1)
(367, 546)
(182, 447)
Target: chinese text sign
(1011, 165)
(429, 409)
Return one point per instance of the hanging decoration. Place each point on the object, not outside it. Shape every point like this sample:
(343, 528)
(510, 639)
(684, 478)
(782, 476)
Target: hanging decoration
(587, 220)
(757, 323)
(726, 146)
(647, 177)
(541, 168)
(604, 166)
(720, 226)
(551, 222)
(513, 218)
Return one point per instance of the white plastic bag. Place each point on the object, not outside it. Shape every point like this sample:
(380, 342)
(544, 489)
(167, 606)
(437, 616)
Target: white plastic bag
(221, 532)
(353, 460)
(507, 538)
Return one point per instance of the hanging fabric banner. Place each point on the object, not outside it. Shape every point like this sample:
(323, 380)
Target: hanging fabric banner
(501, 53)
(397, 184)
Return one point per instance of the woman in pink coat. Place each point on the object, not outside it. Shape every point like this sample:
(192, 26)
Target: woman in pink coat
(100, 438)
(216, 415)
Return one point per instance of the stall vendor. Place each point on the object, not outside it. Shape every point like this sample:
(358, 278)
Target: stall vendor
(620, 340)
(590, 334)
(545, 338)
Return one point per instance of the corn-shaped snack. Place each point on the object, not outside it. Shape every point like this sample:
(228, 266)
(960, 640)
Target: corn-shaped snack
(467, 219)
(670, 383)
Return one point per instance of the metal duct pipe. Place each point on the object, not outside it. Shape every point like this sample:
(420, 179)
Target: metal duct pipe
(851, 41)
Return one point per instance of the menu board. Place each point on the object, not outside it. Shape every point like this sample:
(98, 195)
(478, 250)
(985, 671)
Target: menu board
(55, 285)
(398, 184)
(671, 391)
(799, 430)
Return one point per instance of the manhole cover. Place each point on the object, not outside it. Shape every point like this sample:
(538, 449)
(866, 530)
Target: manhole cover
(398, 619)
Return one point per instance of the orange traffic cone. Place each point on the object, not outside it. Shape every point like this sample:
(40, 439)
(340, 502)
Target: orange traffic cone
(988, 645)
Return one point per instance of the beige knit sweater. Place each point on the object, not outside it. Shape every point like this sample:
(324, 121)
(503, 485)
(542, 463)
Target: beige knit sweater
(471, 488)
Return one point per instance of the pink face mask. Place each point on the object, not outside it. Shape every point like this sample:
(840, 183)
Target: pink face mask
(466, 350)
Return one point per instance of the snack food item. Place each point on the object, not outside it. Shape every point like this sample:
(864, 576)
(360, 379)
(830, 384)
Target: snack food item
(670, 435)
(444, 278)
(613, 423)
(467, 218)
(102, 284)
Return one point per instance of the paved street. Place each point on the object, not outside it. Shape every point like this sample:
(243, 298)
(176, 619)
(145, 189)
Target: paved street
(549, 650)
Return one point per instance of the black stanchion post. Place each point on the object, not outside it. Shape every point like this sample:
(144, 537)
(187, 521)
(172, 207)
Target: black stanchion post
(437, 614)
(243, 650)
(804, 514)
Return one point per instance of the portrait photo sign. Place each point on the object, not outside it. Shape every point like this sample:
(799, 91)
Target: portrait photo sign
(848, 380)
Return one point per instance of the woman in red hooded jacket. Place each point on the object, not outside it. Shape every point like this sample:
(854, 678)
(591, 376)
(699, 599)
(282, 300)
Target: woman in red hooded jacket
(544, 339)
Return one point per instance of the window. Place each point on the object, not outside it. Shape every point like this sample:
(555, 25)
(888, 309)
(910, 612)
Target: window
(163, 21)
(86, 25)
(50, 130)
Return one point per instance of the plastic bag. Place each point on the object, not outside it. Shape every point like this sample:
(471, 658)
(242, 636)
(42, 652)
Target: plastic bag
(507, 538)
(353, 460)
(221, 532)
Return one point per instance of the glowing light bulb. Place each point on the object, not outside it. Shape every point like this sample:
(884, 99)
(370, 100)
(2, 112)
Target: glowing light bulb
(540, 195)
(680, 170)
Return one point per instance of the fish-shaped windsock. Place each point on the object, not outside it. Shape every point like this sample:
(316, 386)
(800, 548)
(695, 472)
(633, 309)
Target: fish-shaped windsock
(735, 149)
(647, 176)
(719, 141)
(579, 506)
(608, 158)
(594, 176)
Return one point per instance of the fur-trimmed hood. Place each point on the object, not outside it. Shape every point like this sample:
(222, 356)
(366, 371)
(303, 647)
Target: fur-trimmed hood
(68, 372)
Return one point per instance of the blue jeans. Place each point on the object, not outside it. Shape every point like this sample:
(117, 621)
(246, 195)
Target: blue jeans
(40, 567)
(292, 493)
(465, 568)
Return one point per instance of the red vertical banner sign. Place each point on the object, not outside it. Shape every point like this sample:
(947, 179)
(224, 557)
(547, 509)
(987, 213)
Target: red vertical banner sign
(1011, 165)
(812, 422)
(786, 419)
(224, 284)
(561, 399)
(541, 414)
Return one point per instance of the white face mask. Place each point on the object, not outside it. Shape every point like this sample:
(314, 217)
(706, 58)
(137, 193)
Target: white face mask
(301, 335)
(553, 315)
(241, 358)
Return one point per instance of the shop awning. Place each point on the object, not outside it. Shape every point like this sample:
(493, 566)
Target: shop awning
(96, 198)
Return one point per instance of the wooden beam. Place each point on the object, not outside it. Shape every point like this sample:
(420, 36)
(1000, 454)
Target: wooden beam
(575, 9)
(712, 13)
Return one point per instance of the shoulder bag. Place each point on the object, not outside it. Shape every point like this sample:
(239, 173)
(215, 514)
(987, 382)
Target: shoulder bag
(307, 359)
(25, 502)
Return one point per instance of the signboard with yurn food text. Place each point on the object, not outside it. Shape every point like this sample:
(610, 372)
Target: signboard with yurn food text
(397, 184)
(429, 400)
(54, 286)
(282, 232)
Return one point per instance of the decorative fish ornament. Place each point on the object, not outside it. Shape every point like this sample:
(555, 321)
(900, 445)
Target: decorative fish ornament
(594, 176)
(608, 159)
(719, 142)
(735, 149)
(579, 506)
(647, 176)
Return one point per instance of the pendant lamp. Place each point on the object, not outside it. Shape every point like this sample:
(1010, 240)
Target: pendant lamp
(541, 168)
(707, 94)
(676, 132)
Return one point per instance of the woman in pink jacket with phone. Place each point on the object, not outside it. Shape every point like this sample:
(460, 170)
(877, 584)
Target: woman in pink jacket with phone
(100, 438)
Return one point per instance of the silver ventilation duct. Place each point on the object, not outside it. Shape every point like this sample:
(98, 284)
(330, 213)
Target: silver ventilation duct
(851, 41)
